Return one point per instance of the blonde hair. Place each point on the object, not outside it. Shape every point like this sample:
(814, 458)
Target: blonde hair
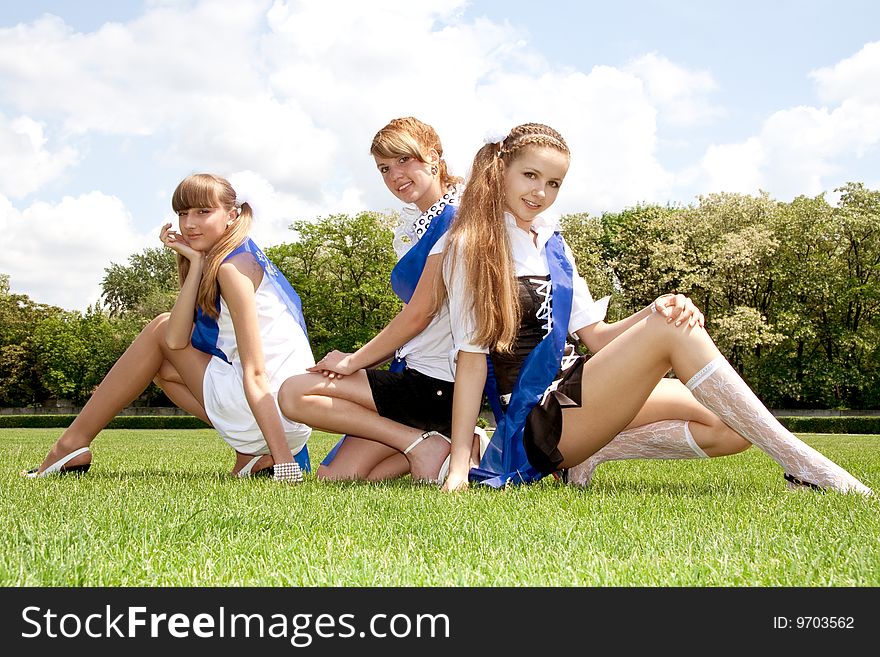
(409, 136)
(205, 190)
(478, 238)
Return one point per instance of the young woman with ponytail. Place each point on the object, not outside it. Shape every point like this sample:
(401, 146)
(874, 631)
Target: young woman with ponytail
(513, 292)
(235, 333)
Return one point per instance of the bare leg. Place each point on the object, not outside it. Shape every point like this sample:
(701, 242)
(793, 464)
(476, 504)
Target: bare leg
(671, 400)
(175, 389)
(671, 425)
(346, 407)
(242, 460)
(394, 466)
(125, 381)
(619, 379)
(358, 457)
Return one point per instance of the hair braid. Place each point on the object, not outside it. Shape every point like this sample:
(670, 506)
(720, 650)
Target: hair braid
(479, 242)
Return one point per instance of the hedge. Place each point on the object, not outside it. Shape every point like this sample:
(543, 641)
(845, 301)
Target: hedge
(807, 424)
(119, 422)
(832, 424)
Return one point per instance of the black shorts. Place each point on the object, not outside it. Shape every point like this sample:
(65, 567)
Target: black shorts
(414, 399)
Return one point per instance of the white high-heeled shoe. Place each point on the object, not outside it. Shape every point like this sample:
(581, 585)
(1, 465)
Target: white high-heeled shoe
(248, 469)
(444, 469)
(484, 444)
(58, 466)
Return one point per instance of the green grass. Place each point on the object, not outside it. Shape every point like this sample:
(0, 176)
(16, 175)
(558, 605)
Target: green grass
(159, 509)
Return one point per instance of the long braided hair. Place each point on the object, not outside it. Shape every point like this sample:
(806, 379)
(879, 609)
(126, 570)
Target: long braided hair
(478, 239)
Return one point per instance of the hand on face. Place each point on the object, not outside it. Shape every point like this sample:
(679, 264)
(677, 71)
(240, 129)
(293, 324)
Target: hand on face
(177, 243)
(200, 230)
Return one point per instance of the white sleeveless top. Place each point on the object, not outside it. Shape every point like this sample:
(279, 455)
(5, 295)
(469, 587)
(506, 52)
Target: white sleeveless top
(286, 352)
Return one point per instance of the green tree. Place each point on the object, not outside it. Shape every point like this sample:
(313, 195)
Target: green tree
(21, 380)
(340, 265)
(76, 350)
(145, 287)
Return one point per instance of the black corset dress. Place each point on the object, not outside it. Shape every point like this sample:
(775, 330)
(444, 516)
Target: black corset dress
(544, 423)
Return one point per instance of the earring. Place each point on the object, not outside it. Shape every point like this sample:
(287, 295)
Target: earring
(434, 170)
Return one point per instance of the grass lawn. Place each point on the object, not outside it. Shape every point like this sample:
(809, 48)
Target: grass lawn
(159, 509)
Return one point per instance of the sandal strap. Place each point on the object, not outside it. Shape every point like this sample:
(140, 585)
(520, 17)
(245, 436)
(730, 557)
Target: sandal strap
(60, 463)
(418, 440)
(248, 467)
(801, 482)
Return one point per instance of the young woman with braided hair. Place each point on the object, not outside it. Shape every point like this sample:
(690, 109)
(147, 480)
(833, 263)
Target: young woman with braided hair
(512, 291)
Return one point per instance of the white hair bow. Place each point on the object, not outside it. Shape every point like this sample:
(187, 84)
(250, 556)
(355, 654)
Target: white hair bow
(494, 136)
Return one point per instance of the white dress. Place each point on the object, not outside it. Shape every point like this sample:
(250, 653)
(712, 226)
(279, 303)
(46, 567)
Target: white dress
(286, 352)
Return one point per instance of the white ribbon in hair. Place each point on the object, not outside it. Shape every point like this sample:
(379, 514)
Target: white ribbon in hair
(494, 136)
(246, 191)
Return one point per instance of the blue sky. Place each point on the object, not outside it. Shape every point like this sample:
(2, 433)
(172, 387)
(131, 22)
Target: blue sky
(105, 106)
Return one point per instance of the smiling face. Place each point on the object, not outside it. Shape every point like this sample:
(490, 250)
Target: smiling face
(203, 227)
(532, 181)
(410, 179)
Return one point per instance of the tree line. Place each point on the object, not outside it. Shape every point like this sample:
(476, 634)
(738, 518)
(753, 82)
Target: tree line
(790, 291)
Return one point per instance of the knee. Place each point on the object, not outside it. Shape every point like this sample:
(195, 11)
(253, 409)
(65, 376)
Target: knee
(160, 320)
(292, 395)
(724, 441)
(157, 326)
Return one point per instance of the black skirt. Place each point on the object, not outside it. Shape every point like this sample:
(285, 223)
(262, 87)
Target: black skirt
(414, 399)
(543, 427)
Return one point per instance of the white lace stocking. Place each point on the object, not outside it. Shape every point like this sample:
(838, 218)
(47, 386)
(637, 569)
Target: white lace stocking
(720, 389)
(669, 439)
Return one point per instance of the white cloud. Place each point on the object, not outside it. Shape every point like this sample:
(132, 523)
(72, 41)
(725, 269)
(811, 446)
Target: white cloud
(734, 167)
(276, 138)
(799, 150)
(296, 90)
(25, 163)
(275, 210)
(57, 253)
(607, 121)
(679, 94)
(289, 95)
(133, 78)
(854, 77)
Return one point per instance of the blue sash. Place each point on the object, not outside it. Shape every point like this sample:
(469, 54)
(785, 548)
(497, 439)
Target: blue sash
(505, 460)
(408, 270)
(206, 331)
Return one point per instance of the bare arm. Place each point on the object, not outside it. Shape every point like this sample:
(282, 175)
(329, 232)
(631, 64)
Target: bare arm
(180, 324)
(407, 324)
(470, 378)
(238, 279)
(675, 307)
